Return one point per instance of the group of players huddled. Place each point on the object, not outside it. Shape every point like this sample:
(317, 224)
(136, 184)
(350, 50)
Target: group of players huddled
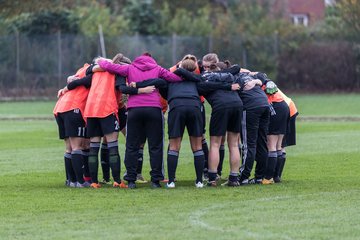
(108, 96)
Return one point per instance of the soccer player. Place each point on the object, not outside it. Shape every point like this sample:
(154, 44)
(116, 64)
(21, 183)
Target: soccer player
(254, 124)
(225, 118)
(279, 117)
(144, 116)
(289, 138)
(68, 112)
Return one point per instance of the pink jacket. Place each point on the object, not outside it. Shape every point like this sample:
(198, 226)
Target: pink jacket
(142, 68)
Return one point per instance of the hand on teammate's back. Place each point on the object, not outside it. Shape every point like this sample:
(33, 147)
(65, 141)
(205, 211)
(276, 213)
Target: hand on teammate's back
(235, 87)
(62, 91)
(72, 78)
(148, 89)
(101, 58)
(249, 85)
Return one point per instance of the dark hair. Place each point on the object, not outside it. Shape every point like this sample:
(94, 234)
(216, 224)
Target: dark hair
(223, 65)
(188, 64)
(146, 54)
(189, 56)
(121, 59)
(228, 63)
(211, 57)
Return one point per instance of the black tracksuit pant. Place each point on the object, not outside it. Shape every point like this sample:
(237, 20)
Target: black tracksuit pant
(144, 123)
(255, 125)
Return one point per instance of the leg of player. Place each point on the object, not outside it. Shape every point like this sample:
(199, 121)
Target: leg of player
(77, 160)
(172, 160)
(234, 156)
(140, 159)
(114, 158)
(85, 153)
(205, 149)
(215, 142)
(154, 130)
(94, 161)
(283, 160)
(69, 171)
(199, 159)
(104, 158)
(272, 157)
(279, 159)
(221, 157)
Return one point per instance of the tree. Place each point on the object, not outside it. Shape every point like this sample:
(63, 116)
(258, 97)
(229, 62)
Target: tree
(46, 22)
(188, 24)
(95, 14)
(143, 17)
(12, 8)
(350, 15)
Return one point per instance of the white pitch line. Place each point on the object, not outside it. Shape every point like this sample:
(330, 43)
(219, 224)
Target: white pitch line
(196, 218)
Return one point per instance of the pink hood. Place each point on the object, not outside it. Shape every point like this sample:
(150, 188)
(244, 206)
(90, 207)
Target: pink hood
(144, 63)
(142, 68)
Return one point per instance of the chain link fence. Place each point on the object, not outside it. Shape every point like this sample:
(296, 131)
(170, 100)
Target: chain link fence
(36, 66)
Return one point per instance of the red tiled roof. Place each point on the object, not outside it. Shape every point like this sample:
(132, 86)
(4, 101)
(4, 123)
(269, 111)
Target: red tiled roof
(315, 9)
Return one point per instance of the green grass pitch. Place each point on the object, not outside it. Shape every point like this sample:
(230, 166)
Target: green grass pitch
(318, 199)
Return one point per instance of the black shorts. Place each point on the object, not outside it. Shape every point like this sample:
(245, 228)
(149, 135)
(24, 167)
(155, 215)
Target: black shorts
(225, 119)
(203, 114)
(71, 124)
(279, 121)
(98, 127)
(181, 116)
(122, 113)
(290, 136)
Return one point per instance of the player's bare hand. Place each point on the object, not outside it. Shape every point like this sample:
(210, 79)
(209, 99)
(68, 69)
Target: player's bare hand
(148, 89)
(132, 84)
(101, 58)
(235, 87)
(62, 91)
(249, 85)
(72, 78)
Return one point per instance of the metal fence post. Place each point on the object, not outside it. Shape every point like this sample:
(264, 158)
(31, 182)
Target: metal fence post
(174, 47)
(102, 42)
(17, 36)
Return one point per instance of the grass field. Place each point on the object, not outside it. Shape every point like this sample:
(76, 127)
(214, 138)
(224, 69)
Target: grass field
(318, 199)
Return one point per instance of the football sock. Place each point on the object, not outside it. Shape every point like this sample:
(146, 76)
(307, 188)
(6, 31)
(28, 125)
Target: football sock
(212, 175)
(205, 149)
(85, 154)
(77, 163)
(70, 174)
(221, 160)
(94, 161)
(104, 155)
(234, 176)
(278, 163)
(140, 161)
(199, 159)
(282, 163)
(114, 160)
(270, 167)
(172, 161)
